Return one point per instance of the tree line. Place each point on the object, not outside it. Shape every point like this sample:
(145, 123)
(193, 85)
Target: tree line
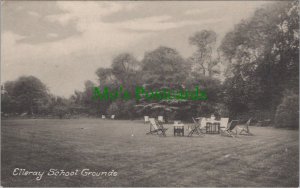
(260, 78)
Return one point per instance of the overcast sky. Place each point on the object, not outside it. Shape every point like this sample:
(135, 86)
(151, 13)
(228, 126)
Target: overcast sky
(63, 43)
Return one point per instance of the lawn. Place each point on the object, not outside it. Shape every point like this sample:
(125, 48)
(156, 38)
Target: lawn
(269, 158)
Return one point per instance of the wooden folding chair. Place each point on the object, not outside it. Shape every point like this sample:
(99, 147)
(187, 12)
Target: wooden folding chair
(156, 128)
(244, 128)
(229, 129)
(196, 128)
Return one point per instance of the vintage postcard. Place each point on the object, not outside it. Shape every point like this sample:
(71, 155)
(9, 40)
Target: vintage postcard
(149, 93)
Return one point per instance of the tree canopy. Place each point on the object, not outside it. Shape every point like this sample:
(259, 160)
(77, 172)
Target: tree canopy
(261, 76)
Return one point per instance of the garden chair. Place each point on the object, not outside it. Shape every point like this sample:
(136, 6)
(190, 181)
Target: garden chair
(195, 128)
(224, 123)
(156, 128)
(103, 117)
(160, 119)
(244, 128)
(112, 117)
(202, 122)
(229, 129)
(146, 118)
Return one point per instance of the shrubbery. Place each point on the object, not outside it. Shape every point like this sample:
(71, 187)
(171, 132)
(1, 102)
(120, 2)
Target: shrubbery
(122, 109)
(113, 109)
(287, 113)
(60, 111)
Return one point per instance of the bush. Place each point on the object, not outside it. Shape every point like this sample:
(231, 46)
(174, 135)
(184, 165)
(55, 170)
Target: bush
(113, 109)
(122, 109)
(287, 113)
(61, 111)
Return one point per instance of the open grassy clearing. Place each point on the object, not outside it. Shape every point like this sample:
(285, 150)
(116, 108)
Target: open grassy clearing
(270, 158)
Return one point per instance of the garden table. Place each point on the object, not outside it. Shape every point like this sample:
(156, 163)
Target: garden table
(212, 126)
(178, 129)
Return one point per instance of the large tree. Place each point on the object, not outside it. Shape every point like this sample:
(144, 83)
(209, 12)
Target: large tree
(28, 94)
(106, 77)
(163, 67)
(262, 54)
(205, 41)
(126, 69)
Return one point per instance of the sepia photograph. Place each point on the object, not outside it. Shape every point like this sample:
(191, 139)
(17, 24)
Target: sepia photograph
(149, 93)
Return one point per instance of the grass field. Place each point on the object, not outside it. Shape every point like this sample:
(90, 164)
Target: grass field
(269, 158)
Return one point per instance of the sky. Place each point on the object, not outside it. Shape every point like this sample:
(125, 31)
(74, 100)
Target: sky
(63, 43)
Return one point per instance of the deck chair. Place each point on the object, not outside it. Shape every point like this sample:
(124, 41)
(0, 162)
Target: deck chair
(229, 129)
(156, 128)
(146, 118)
(160, 119)
(195, 128)
(103, 117)
(202, 122)
(112, 117)
(244, 128)
(224, 123)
